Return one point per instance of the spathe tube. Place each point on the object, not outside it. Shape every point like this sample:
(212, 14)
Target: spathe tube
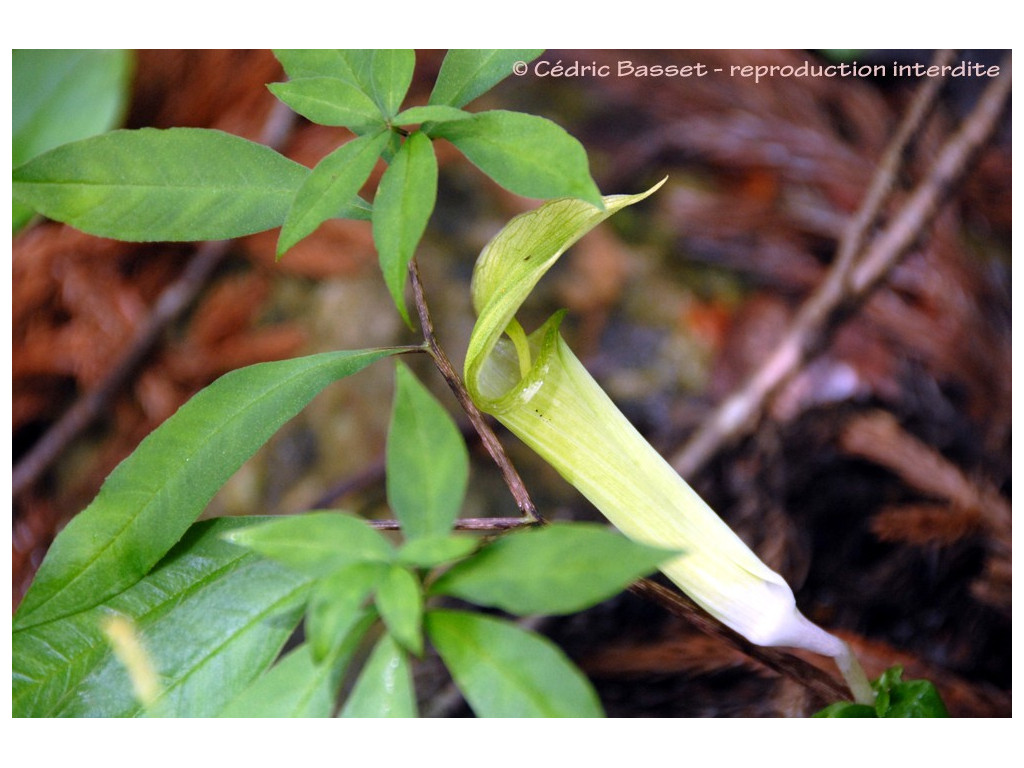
(540, 391)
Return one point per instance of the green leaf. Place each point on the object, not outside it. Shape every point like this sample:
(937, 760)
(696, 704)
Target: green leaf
(436, 112)
(332, 185)
(210, 618)
(296, 686)
(383, 75)
(357, 209)
(846, 709)
(883, 685)
(400, 602)
(360, 64)
(916, 698)
(395, 142)
(427, 461)
(299, 685)
(911, 698)
(153, 496)
(174, 184)
(893, 698)
(526, 154)
(303, 63)
(21, 214)
(60, 96)
(405, 199)
(560, 568)
(330, 101)
(505, 671)
(466, 74)
(316, 543)
(385, 687)
(337, 604)
(436, 550)
(65, 95)
(389, 77)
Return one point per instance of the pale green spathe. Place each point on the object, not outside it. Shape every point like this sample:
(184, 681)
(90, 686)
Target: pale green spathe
(537, 388)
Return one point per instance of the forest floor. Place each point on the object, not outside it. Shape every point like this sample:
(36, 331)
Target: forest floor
(877, 479)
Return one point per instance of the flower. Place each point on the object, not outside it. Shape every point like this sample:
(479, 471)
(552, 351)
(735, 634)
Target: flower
(537, 388)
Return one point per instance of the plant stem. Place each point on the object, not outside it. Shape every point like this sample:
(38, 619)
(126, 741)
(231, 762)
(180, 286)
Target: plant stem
(476, 418)
(466, 524)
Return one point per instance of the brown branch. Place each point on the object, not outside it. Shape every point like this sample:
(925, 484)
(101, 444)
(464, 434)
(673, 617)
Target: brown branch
(888, 170)
(923, 205)
(467, 524)
(476, 418)
(856, 271)
(826, 688)
(173, 301)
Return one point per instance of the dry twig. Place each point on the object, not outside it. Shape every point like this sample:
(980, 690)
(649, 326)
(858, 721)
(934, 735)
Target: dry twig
(467, 524)
(857, 270)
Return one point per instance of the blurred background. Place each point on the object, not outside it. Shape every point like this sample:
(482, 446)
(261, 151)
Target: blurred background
(878, 481)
